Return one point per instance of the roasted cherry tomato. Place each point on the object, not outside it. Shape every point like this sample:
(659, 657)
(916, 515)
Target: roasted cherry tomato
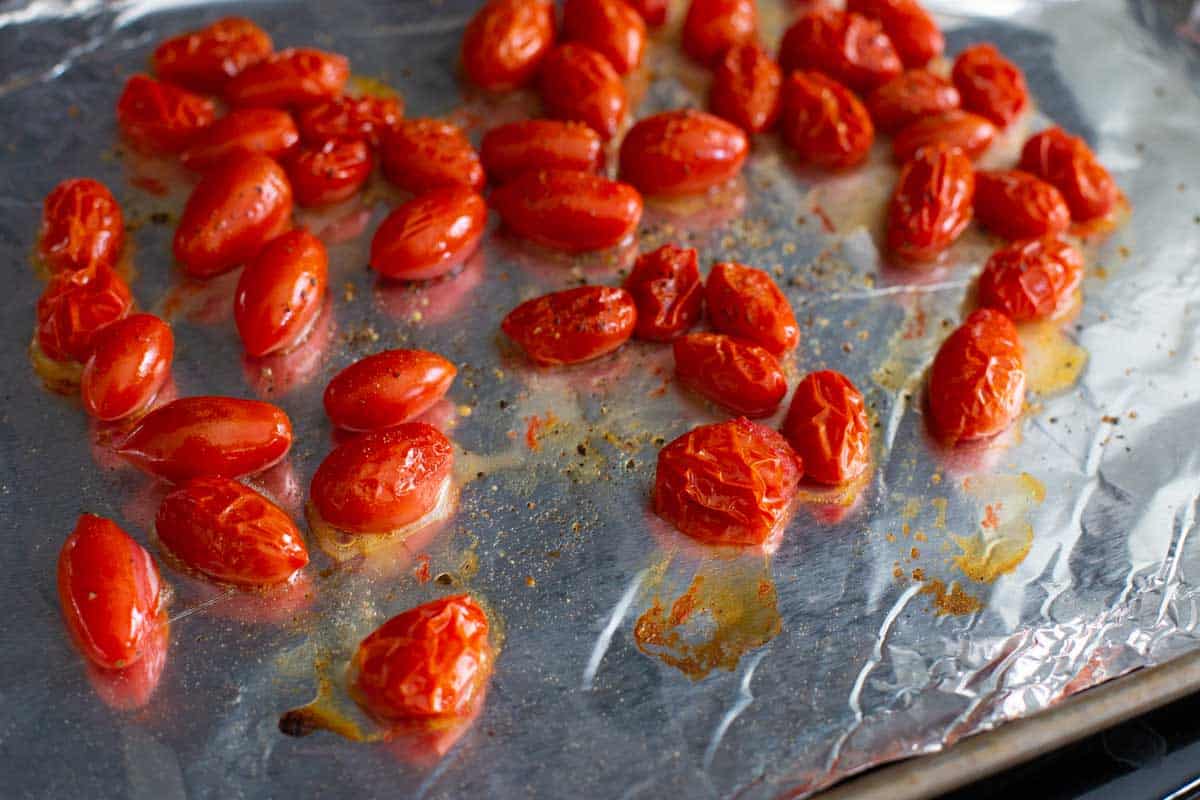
(1068, 164)
(828, 428)
(160, 118)
(230, 532)
(740, 376)
(713, 26)
(431, 661)
(204, 60)
(910, 96)
(682, 152)
(329, 172)
(82, 226)
(269, 131)
(977, 382)
(1033, 279)
(530, 144)
(745, 88)
(350, 118)
(430, 235)
(914, 34)
(130, 688)
(295, 78)
(384, 480)
(932, 203)
(745, 303)
(610, 27)
(130, 362)
(573, 325)
(423, 154)
(654, 12)
(970, 133)
(506, 41)
(192, 437)
(110, 592)
(569, 210)
(990, 84)
(578, 83)
(74, 306)
(387, 389)
(235, 209)
(729, 483)
(280, 293)
(850, 48)
(1019, 205)
(824, 121)
(667, 291)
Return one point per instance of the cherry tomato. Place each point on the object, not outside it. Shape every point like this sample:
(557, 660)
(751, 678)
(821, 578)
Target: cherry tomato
(130, 688)
(827, 426)
(850, 48)
(386, 389)
(915, 35)
(130, 362)
(743, 377)
(329, 172)
(682, 152)
(423, 154)
(82, 226)
(1068, 164)
(990, 84)
(713, 26)
(506, 41)
(350, 118)
(269, 131)
(745, 88)
(110, 592)
(236, 208)
(1032, 279)
(1018, 205)
(823, 120)
(430, 235)
(204, 60)
(569, 210)
(160, 118)
(230, 532)
(970, 133)
(578, 83)
(932, 203)
(431, 661)
(573, 325)
(280, 293)
(732, 483)
(532, 144)
(74, 306)
(654, 12)
(667, 291)
(293, 78)
(384, 480)
(745, 303)
(192, 437)
(977, 382)
(610, 27)
(910, 96)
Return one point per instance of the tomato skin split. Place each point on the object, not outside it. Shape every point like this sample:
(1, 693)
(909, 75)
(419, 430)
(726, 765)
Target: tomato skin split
(977, 382)
(667, 291)
(682, 152)
(740, 376)
(828, 428)
(745, 303)
(82, 226)
(387, 389)
(506, 41)
(75, 306)
(573, 325)
(569, 210)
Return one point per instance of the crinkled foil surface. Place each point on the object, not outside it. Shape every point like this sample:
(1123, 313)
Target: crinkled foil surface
(956, 592)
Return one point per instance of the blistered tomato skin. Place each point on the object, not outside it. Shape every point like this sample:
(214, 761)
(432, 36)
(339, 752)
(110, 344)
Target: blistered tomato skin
(350, 118)
(387, 389)
(740, 376)
(932, 203)
(157, 117)
(204, 60)
(269, 131)
(130, 362)
(610, 27)
(824, 122)
(569, 210)
(745, 88)
(295, 78)
(430, 235)
(990, 84)
(1068, 164)
(74, 306)
(419, 155)
(849, 48)
(713, 26)
(573, 325)
(910, 96)
(828, 428)
(1019, 205)
(280, 293)
(745, 303)
(110, 590)
(329, 172)
(732, 483)
(230, 532)
(193, 437)
(977, 382)
(682, 152)
(384, 480)
(1033, 279)
(578, 83)
(915, 35)
(970, 133)
(82, 226)
(666, 288)
(506, 41)
(509, 150)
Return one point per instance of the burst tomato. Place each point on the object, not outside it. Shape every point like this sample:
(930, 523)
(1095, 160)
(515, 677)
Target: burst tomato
(386, 389)
(932, 203)
(578, 83)
(666, 288)
(269, 131)
(74, 306)
(1032, 279)
(915, 35)
(977, 382)
(740, 376)
(682, 152)
(745, 303)
(573, 325)
(990, 84)
(827, 426)
(160, 118)
(280, 293)
(506, 41)
(745, 88)
(430, 235)
(910, 96)
(970, 133)
(569, 210)
(610, 27)
(1019, 205)
(850, 48)
(423, 154)
(654, 12)
(350, 118)
(1068, 164)
(509, 150)
(130, 362)
(823, 120)
(713, 26)
(329, 172)
(82, 226)
(295, 78)
(204, 60)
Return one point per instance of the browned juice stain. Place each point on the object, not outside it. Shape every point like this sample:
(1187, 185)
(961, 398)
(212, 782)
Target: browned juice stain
(949, 599)
(1005, 534)
(60, 377)
(1053, 363)
(328, 711)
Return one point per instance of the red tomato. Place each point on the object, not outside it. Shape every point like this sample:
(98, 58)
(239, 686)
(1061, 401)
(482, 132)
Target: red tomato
(130, 362)
(932, 203)
(713, 26)
(387, 389)
(75, 306)
(666, 288)
(682, 152)
(578, 83)
(269, 131)
(1018, 205)
(295, 78)
(990, 84)
(977, 382)
(1068, 164)
(568, 210)
(506, 41)
(329, 172)
(430, 235)
(827, 426)
(225, 437)
(910, 96)
(423, 154)
(160, 118)
(729, 483)
(745, 303)
(110, 592)
(970, 133)
(573, 325)
(1032, 279)
(280, 293)
(743, 377)
(130, 688)
(745, 88)
(531, 144)
(847, 47)
(230, 532)
(235, 209)
(431, 661)
(654, 12)
(825, 123)
(610, 27)
(350, 118)
(205, 59)
(82, 226)
(915, 35)
(383, 480)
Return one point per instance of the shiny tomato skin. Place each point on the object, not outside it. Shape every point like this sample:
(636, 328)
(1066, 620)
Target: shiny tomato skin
(654, 12)
(713, 26)
(1068, 164)
(387, 389)
(82, 226)
(158, 117)
(130, 362)
(280, 293)
(236, 208)
(329, 172)
(224, 437)
(75, 306)
(1019, 205)
(824, 122)
(204, 60)
(682, 152)
(432, 661)
(977, 381)
(666, 288)
(745, 88)
(383, 480)
(850, 48)
(569, 210)
(269, 131)
(364, 117)
(577, 83)
(294, 78)
(610, 27)
(506, 41)
(423, 154)
(910, 96)
(738, 375)
(509, 150)
(745, 303)
(430, 235)
(827, 426)
(990, 84)
(932, 203)
(110, 592)
(970, 133)
(573, 325)
(916, 37)
(230, 532)
(1032, 279)
(732, 483)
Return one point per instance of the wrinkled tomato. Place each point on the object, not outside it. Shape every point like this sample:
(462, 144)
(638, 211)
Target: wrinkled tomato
(430, 235)
(740, 376)
(745, 88)
(295, 78)
(280, 293)
(269, 131)
(204, 60)
(329, 172)
(990, 84)
(423, 154)
(713, 26)
(850, 48)
(610, 27)
(569, 210)
(977, 382)
(823, 120)
(915, 35)
(578, 83)
(828, 428)
(1034, 279)
(909, 97)
(745, 303)
(82, 226)
(573, 325)
(350, 118)
(74, 306)
(386, 389)
(130, 362)
(1068, 164)
(1019, 205)
(932, 203)
(654, 12)
(666, 288)
(682, 152)
(160, 118)
(970, 133)
(509, 150)
(506, 41)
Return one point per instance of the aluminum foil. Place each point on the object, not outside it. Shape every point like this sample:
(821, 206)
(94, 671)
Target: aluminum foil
(952, 592)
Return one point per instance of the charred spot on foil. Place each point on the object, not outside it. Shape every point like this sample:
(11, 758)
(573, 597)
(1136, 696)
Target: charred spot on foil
(298, 722)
